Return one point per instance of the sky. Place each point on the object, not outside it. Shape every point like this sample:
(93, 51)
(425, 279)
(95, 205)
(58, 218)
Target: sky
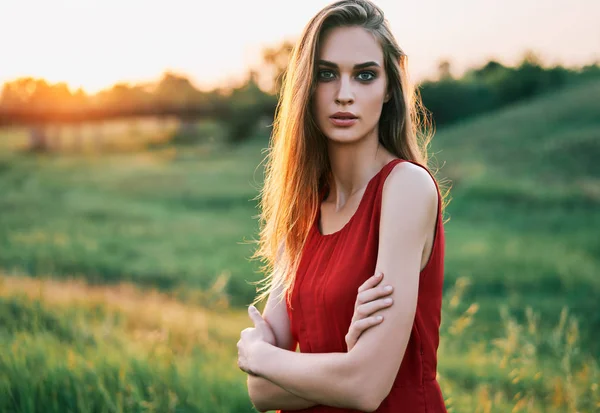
(95, 43)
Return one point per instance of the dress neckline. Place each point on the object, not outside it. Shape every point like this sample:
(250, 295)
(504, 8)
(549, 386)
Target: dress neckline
(360, 205)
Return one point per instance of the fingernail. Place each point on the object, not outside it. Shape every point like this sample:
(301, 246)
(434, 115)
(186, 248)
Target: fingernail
(379, 275)
(388, 288)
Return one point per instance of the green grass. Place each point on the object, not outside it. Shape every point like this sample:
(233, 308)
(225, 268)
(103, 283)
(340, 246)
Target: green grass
(523, 231)
(159, 218)
(525, 212)
(70, 346)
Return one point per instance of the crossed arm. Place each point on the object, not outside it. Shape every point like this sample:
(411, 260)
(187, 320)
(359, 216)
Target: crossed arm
(265, 394)
(274, 397)
(363, 377)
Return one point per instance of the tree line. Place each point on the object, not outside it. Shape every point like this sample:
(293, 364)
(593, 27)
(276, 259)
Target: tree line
(35, 101)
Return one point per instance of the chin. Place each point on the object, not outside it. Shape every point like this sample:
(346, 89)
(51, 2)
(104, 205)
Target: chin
(344, 136)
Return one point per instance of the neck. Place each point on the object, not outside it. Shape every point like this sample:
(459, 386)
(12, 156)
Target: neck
(354, 164)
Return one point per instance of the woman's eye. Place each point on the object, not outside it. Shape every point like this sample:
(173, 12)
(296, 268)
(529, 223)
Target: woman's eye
(366, 76)
(362, 76)
(326, 74)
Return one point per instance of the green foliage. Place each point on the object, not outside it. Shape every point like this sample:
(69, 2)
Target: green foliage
(250, 111)
(494, 86)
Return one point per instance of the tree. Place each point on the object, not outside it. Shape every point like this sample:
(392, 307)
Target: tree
(176, 91)
(275, 62)
(444, 70)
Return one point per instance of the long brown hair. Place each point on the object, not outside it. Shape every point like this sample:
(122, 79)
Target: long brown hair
(297, 163)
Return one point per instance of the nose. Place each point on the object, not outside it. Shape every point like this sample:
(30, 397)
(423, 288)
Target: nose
(344, 94)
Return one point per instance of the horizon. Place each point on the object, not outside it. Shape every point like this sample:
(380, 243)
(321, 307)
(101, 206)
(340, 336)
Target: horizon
(75, 47)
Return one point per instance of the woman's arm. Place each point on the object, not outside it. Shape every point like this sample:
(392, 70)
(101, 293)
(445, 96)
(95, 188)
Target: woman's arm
(264, 394)
(327, 378)
(363, 377)
(270, 396)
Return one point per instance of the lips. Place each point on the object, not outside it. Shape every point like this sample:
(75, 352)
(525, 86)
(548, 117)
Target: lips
(343, 119)
(343, 115)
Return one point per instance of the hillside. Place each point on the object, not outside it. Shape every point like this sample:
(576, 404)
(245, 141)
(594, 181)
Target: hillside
(525, 212)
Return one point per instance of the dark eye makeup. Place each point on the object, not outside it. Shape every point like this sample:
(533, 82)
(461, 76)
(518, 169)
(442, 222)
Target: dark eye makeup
(363, 76)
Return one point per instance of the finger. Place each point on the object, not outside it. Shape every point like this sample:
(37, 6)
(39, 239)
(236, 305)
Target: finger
(255, 316)
(367, 309)
(358, 327)
(372, 294)
(361, 325)
(242, 366)
(371, 282)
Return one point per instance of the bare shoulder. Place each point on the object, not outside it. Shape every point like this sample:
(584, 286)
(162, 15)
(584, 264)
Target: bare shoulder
(412, 184)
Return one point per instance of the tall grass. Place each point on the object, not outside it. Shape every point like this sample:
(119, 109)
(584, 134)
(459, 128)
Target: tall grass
(68, 346)
(76, 347)
(520, 368)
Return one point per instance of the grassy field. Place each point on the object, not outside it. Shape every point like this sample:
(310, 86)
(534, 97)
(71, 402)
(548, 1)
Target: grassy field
(141, 267)
(67, 346)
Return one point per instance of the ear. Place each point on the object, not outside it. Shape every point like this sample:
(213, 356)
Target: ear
(388, 96)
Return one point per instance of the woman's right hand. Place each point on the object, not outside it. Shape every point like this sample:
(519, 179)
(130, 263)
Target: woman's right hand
(371, 298)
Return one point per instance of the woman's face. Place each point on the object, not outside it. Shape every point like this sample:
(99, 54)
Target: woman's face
(351, 85)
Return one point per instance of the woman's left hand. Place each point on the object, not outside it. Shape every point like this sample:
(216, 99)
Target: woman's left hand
(251, 339)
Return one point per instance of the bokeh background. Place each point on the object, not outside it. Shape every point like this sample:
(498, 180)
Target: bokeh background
(131, 141)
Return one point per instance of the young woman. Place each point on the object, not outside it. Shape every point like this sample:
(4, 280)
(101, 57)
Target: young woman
(347, 196)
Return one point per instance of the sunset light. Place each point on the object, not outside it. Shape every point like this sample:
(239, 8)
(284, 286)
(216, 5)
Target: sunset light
(94, 44)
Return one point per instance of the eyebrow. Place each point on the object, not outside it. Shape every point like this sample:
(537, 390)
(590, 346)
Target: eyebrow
(358, 66)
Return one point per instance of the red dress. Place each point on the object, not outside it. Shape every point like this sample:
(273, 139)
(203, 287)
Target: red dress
(331, 269)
